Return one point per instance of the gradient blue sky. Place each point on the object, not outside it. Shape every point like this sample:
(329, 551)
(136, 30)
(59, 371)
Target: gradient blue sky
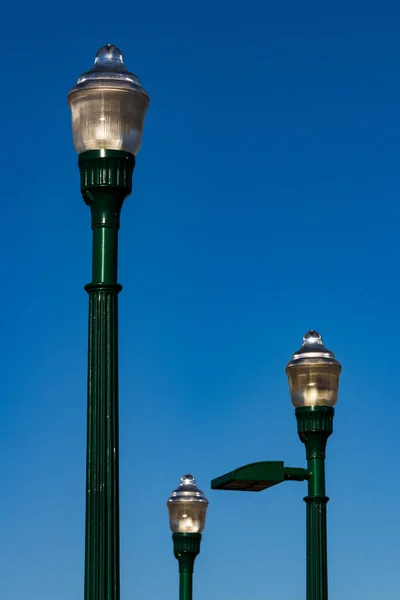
(266, 203)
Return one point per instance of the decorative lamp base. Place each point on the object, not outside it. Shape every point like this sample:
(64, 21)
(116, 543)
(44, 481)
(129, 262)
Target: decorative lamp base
(314, 420)
(186, 546)
(105, 169)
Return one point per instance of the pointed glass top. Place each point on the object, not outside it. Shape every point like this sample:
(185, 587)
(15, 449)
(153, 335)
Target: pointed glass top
(187, 490)
(313, 347)
(108, 71)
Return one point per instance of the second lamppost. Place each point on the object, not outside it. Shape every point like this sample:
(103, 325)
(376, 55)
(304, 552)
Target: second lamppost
(108, 106)
(187, 509)
(313, 375)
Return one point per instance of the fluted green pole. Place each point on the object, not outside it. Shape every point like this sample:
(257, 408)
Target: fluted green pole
(186, 548)
(106, 180)
(315, 425)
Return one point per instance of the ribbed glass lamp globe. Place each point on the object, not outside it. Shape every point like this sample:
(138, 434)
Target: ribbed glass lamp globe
(108, 105)
(187, 507)
(313, 374)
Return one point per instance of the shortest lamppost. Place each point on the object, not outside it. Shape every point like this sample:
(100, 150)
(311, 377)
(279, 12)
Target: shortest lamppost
(313, 375)
(187, 509)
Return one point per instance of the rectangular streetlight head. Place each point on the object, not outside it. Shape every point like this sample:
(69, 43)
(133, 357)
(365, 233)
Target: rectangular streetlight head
(251, 478)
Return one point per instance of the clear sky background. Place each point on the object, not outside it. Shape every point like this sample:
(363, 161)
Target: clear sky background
(265, 203)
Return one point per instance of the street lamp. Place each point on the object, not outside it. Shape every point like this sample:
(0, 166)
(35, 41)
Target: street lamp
(187, 509)
(108, 106)
(313, 375)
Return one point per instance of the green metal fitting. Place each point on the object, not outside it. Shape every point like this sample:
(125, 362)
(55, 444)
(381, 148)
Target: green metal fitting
(108, 169)
(295, 474)
(106, 180)
(186, 548)
(314, 423)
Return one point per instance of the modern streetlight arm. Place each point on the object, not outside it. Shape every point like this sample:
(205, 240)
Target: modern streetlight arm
(106, 180)
(315, 425)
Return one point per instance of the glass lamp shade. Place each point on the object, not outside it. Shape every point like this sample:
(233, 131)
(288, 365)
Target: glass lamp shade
(108, 106)
(313, 374)
(187, 507)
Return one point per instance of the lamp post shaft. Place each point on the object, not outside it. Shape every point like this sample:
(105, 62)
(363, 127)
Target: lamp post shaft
(106, 179)
(186, 585)
(315, 425)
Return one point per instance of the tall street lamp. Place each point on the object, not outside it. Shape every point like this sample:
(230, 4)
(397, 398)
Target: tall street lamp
(313, 375)
(187, 509)
(108, 107)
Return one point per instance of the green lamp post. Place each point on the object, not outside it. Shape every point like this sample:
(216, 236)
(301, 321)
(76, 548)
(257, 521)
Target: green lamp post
(187, 509)
(108, 107)
(313, 375)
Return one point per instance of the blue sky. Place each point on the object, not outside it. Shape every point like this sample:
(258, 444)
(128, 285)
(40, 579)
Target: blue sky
(265, 203)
